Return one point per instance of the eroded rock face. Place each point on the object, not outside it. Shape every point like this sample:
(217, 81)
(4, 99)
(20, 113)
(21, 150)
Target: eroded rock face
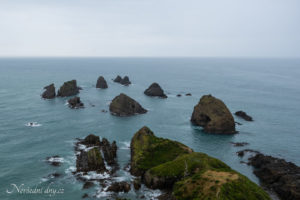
(123, 105)
(75, 103)
(243, 115)
(69, 88)
(119, 187)
(90, 160)
(155, 90)
(213, 115)
(101, 83)
(49, 92)
(109, 151)
(279, 175)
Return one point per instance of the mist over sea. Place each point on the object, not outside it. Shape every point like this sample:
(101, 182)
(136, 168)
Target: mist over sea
(267, 89)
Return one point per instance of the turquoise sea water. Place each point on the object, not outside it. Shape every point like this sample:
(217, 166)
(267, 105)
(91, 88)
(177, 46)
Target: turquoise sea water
(267, 89)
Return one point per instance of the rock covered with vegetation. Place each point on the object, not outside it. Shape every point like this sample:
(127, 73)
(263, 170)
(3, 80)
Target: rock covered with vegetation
(213, 115)
(243, 115)
(101, 83)
(123, 105)
(49, 92)
(184, 174)
(155, 90)
(75, 102)
(69, 88)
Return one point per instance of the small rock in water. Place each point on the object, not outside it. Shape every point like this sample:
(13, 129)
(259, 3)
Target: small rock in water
(104, 111)
(188, 94)
(119, 187)
(54, 160)
(178, 95)
(155, 90)
(243, 115)
(75, 102)
(239, 144)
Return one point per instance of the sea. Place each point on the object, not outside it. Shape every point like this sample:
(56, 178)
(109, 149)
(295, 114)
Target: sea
(268, 89)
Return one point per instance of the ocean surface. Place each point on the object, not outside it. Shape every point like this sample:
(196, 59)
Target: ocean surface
(267, 89)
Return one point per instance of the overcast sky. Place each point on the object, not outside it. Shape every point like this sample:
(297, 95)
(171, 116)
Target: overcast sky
(218, 28)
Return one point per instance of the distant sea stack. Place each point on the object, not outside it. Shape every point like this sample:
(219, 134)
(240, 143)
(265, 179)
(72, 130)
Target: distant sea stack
(49, 92)
(101, 83)
(243, 115)
(69, 88)
(124, 81)
(123, 105)
(155, 90)
(213, 115)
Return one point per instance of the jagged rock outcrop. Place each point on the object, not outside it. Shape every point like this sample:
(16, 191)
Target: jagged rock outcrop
(119, 187)
(184, 174)
(90, 160)
(69, 88)
(155, 90)
(124, 81)
(101, 83)
(123, 105)
(243, 115)
(278, 175)
(91, 140)
(213, 115)
(75, 103)
(109, 151)
(49, 92)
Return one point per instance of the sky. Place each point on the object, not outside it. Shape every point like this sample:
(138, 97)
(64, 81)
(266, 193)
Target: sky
(150, 28)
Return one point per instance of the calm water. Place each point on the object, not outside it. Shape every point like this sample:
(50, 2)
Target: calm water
(267, 89)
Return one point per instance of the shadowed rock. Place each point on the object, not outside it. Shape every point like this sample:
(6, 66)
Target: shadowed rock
(118, 79)
(75, 103)
(119, 187)
(49, 92)
(69, 88)
(101, 83)
(90, 160)
(109, 151)
(243, 115)
(125, 81)
(213, 115)
(123, 105)
(277, 174)
(155, 91)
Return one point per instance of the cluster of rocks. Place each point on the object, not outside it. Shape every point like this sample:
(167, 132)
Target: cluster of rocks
(124, 81)
(75, 102)
(69, 88)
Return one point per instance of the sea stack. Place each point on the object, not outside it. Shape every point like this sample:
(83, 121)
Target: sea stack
(69, 88)
(118, 79)
(123, 105)
(101, 83)
(213, 115)
(124, 81)
(49, 92)
(75, 102)
(155, 90)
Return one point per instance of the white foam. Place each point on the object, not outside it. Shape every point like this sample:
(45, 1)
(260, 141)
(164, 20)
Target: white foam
(70, 169)
(93, 175)
(33, 124)
(125, 145)
(55, 159)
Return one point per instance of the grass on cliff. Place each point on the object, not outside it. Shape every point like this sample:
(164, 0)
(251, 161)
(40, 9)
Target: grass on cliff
(150, 151)
(218, 185)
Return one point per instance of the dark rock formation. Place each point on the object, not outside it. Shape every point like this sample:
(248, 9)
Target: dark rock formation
(49, 92)
(119, 187)
(125, 81)
(88, 185)
(75, 103)
(178, 95)
(243, 115)
(91, 140)
(109, 151)
(101, 83)
(137, 183)
(239, 144)
(54, 160)
(69, 88)
(123, 105)
(213, 115)
(118, 79)
(90, 160)
(277, 174)
(250, 151)
(188, 94)
(155, 91)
